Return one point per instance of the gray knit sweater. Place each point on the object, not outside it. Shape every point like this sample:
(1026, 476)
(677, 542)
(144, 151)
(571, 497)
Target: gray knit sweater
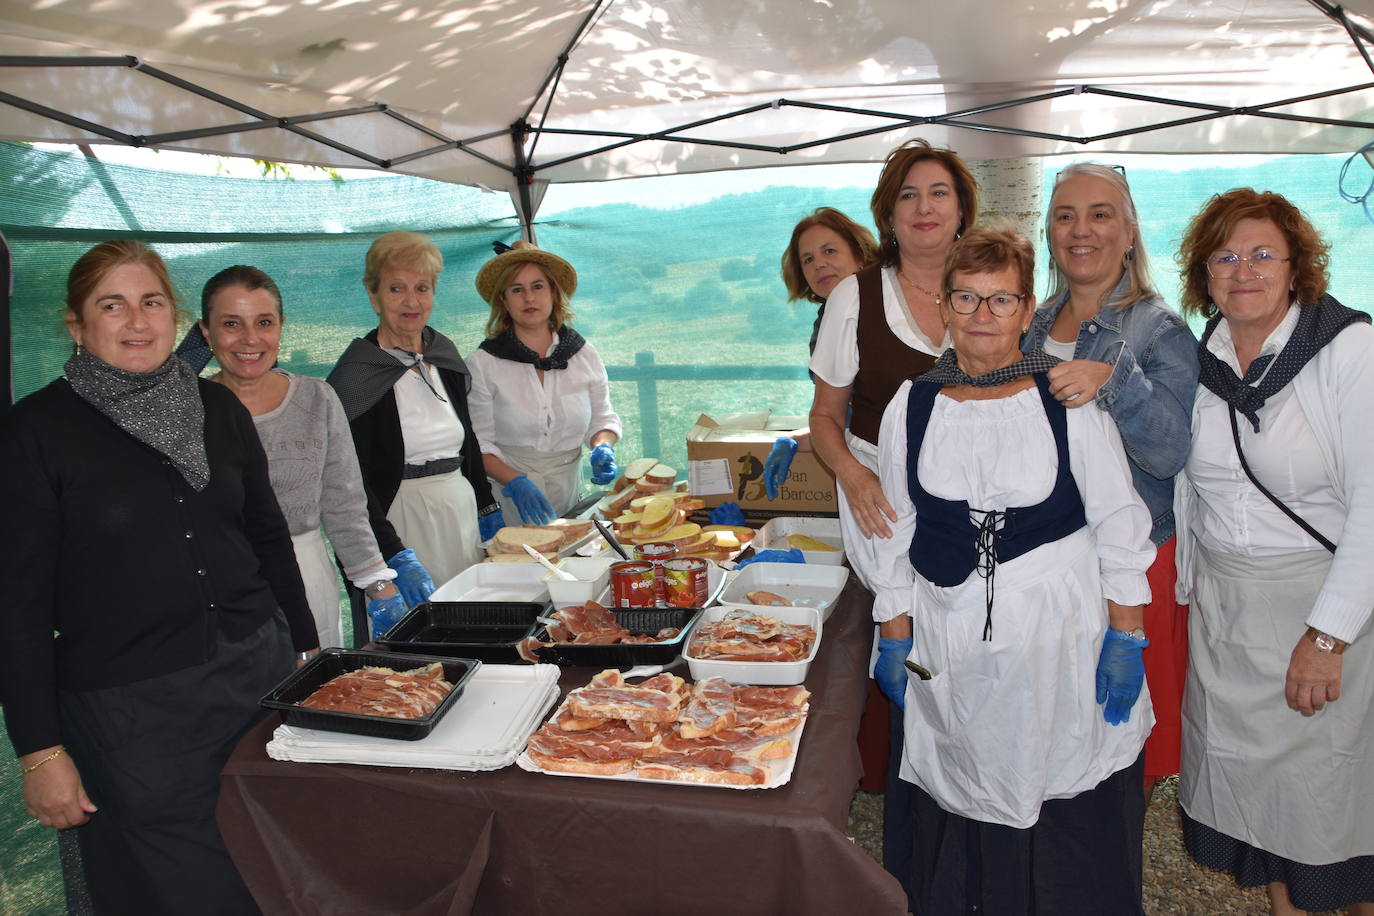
(314, 471)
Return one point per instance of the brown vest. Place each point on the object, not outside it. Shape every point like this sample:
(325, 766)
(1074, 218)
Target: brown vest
(884, 361)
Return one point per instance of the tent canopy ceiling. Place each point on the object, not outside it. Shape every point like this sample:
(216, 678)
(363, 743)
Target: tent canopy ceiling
(433, 87)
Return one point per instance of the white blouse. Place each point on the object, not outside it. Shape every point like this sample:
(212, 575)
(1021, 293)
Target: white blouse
(836, 360)
(1234, 517)
(511, 407)
(1001, 453)
(430, 427)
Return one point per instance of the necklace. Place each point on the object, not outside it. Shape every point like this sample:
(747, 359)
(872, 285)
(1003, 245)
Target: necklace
(905, 279)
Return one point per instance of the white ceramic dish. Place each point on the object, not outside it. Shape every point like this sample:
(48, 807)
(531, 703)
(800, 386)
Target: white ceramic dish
(593, 575)
(803, 584)
(763, 673)
(773, 536)
(496, 582)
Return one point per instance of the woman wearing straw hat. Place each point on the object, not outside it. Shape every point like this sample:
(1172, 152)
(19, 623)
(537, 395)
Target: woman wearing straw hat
(539, 390)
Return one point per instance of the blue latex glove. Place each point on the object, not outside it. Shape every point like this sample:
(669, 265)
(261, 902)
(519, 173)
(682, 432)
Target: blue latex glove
(488, 525)
(382, 613)
(412, 579)
(778, 463)
(534, 507)
(604, 468)
(773, 556)
(726, 514)
(890, 671)
(1120, 674)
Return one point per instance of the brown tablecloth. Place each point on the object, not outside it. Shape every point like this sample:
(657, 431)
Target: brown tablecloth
(337, 838)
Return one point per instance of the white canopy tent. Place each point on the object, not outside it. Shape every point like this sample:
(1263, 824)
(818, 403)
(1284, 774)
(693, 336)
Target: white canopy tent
(510, 93)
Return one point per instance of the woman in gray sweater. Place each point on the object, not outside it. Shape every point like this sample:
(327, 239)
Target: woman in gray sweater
(312, 463)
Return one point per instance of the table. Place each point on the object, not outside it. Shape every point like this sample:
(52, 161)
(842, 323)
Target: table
(337, 838)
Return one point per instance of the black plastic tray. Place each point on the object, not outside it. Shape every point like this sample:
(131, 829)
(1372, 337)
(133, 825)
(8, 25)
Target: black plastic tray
(637, 621)
(286, 697)
(484, 630)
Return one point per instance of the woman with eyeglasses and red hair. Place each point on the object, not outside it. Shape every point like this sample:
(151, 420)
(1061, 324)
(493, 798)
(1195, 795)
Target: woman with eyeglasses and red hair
(1275, 520)
(1126, 353)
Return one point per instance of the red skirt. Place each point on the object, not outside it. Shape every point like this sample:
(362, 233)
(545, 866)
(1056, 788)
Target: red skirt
(1166, 664)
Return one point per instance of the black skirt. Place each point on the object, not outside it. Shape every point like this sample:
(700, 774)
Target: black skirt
(1315, 888)
(150, 755)
(1083, 856)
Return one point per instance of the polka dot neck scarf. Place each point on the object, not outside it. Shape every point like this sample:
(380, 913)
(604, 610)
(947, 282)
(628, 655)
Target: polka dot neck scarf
(1317, 325)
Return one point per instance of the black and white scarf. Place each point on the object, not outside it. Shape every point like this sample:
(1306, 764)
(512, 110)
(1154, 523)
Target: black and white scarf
(366, 372)
(507, 346)
(162, 409)
(1318, 324)
(946, 370)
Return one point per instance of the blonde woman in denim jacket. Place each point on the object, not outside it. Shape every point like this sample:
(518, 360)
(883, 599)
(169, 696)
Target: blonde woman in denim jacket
(1134, 357)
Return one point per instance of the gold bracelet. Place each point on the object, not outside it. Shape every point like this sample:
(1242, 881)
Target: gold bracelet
(53, 756)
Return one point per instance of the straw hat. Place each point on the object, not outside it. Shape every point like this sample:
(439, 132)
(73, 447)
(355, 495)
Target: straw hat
(558, 270)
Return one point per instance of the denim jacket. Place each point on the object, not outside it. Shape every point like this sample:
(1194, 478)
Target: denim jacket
(1149, 394)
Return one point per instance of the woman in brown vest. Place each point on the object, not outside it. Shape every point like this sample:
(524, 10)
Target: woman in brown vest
(881, 327)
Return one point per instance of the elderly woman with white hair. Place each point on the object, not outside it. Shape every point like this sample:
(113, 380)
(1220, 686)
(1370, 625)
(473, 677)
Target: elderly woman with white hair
(404, 389)
(1132, 356)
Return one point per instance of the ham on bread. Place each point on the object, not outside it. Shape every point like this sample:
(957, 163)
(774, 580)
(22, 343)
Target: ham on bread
(705, 751)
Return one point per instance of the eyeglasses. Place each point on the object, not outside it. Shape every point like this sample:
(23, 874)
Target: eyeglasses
(1001, 303)
(1226, 264)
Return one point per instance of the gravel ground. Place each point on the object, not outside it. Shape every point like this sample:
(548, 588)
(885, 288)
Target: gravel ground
(1174, 883)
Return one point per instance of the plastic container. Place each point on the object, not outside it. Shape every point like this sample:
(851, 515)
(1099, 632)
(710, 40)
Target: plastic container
(764, 673)
(804, 584)
(487, 631)
(773, 536)
(593, 574)
(286, 697)
(495, 582)
(638, 621)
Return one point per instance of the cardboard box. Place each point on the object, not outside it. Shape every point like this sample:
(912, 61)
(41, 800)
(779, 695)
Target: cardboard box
(725, 464)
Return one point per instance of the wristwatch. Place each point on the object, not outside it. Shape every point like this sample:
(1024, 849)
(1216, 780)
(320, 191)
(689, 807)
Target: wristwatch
(376, 588)
(1325, 642)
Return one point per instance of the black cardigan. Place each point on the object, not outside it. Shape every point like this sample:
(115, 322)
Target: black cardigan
(381, 454)
(136, 572)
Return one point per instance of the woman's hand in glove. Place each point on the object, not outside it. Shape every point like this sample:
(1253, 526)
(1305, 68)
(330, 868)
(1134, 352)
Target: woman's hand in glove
(890, 670)
(604, 468)
(1120, 674)
(412, 579)
(778, 464)
(534, 507)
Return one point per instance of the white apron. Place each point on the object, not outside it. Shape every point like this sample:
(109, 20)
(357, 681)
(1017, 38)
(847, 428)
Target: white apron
(1253, 769)
(555, 473)
(1005, 725)
(858, 547)
(321, 579)
(437, 518)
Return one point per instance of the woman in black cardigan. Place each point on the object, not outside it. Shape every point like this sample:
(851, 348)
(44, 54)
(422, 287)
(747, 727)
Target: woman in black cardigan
(404, 389)
(159, 599)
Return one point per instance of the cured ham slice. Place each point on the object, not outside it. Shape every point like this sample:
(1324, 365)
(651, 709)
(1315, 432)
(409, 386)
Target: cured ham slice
(739, 741)
(623, 703)
(699, 767)
(712, 708)
(744, 636)
(383, 692)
